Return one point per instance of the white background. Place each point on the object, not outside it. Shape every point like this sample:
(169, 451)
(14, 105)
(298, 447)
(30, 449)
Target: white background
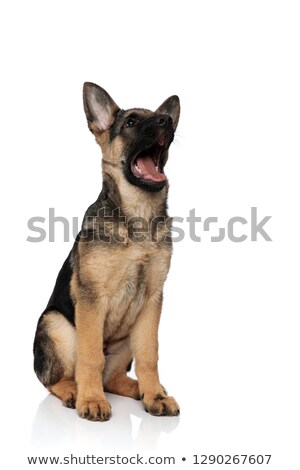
(229, 336)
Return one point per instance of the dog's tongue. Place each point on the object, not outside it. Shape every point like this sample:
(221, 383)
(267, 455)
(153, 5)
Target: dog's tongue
(147, 167)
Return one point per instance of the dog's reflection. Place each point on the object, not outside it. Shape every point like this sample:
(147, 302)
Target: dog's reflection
(57, 428)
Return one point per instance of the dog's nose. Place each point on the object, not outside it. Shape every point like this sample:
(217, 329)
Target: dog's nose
(163, 121)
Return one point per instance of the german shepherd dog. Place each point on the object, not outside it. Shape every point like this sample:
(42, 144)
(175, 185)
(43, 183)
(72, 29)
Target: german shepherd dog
(106, 304)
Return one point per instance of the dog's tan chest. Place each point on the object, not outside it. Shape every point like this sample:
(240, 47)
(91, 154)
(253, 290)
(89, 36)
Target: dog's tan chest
(124, 276)
(128, 291)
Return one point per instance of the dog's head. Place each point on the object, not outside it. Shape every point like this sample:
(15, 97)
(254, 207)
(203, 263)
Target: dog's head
(136, 140)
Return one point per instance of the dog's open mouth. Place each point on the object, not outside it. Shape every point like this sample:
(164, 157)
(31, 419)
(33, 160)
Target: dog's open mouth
(148, 163)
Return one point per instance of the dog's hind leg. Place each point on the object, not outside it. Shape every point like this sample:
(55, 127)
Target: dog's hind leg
(54, 356)
(117, 364)
(66, 390)
(120, 384)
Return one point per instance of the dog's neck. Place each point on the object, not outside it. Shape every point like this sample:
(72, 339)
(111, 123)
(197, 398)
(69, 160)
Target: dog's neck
(132, 200)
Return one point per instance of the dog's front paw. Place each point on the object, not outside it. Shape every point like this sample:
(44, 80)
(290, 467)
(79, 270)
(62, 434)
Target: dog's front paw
(94, 409)
(161, 405)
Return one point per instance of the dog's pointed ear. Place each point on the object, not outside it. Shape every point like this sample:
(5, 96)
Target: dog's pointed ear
(171, 107)
(99, 107)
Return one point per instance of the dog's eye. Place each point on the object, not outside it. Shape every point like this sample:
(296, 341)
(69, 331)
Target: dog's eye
(130, 122)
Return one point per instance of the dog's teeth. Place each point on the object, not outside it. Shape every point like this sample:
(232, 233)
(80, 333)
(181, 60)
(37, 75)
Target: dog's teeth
(137, 168)
(156, 168)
